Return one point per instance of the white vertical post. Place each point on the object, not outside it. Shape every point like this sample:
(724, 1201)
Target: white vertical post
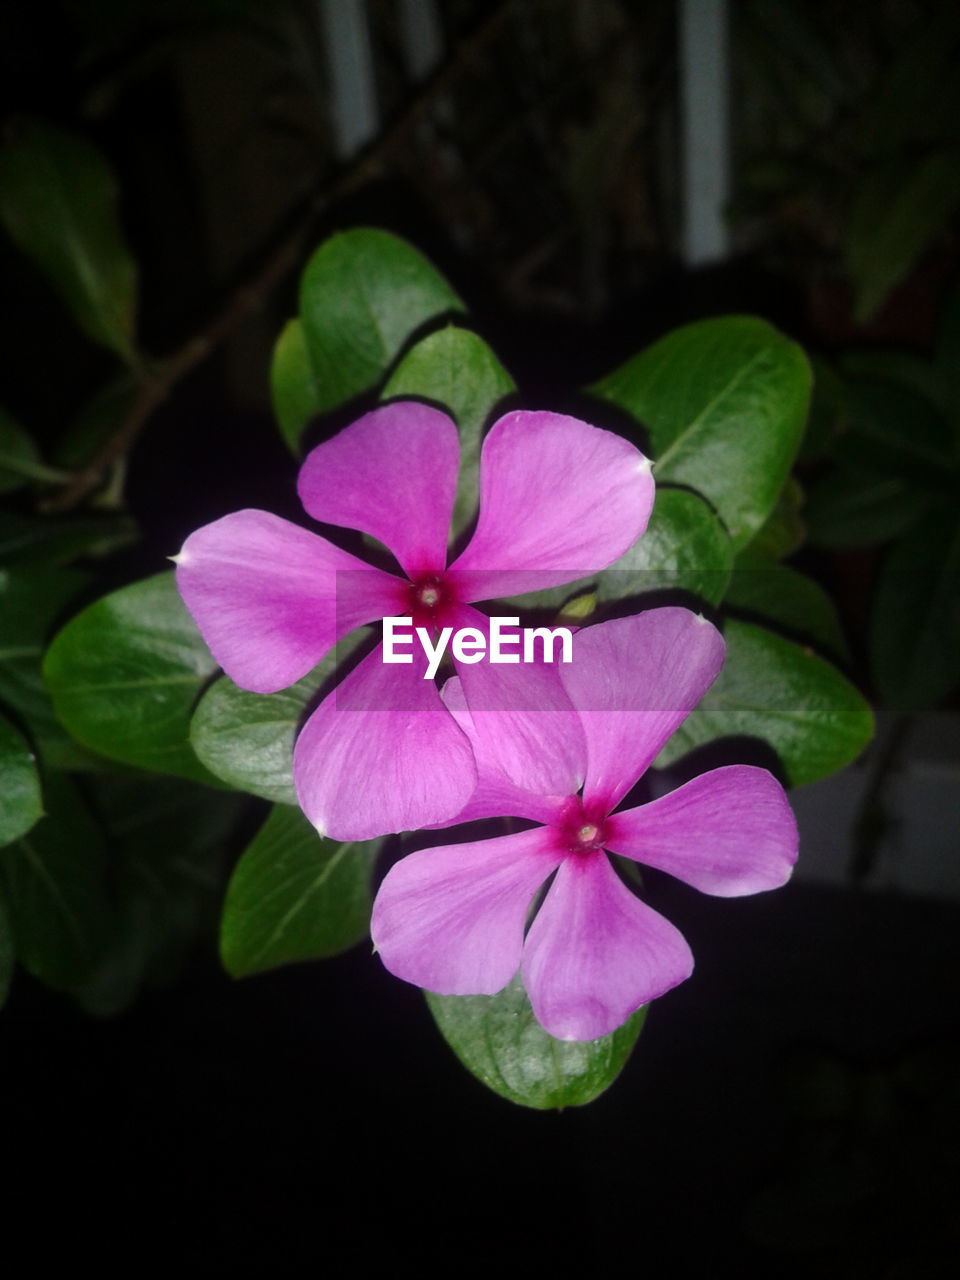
(353, 105)
(705, 124)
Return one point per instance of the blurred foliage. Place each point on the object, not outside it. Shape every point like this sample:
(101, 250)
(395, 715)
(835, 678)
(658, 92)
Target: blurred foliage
(889, 475)
(848, 131)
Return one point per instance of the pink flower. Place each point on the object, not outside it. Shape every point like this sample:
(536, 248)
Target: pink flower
(558, 499)
(452, 919)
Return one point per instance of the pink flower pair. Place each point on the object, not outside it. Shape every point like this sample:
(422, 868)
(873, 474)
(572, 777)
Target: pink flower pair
(559, 499)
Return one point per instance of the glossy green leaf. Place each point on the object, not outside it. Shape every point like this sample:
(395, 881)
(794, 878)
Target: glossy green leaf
(30, 604)
(46, 540)
(295, 896)
(899, 208)
(7, 957)
(297, 395)
(58, 202)
(498, 1039)
(783, 694)
(792, 603)
(19, 456)
(20, 800)
(124, 675)
(363, 295)
(246, 739)
(54, 883)
(457, 370)
(724, 402)
(915, 628)
(685, 547)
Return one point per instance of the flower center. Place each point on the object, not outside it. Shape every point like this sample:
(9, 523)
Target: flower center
(428, 597)
(581, 829)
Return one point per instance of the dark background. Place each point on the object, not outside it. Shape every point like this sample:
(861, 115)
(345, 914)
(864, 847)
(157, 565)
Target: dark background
(794, 1108)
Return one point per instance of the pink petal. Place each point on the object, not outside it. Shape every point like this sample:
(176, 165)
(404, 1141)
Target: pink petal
(729, 832)
(381, 753)
(558, 499)
(271, 598)
(392, 474)
(451, 919)
(633, 681)
(524, 724)
(595, 953)
(496, 795)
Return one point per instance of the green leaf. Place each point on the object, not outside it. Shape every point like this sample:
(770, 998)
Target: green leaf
(457, 370)
(915, 628)
(685, 547)
(124, 675)
(98, 420)
(7, 957)
(791, 602)
(246, 739)
(363, 295)
(853, 508)
(297, 395)
(724, 402)
(784, 530)
(498, 1039)
(30, 604)
(43, 540)
(54, 881)
(19, 456)
(166, 840)
(909, 372)
(20, 801)
(894, 430)
(827, 408)
(58, 201)
(899, 208)
(781, 693)
(295, 896)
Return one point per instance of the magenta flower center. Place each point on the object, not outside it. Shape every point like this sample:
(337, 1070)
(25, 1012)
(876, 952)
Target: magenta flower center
(579, 828)
(429, 596)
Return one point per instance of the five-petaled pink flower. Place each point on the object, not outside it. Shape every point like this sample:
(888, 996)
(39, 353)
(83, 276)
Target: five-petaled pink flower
(452, 919)
(559, 499)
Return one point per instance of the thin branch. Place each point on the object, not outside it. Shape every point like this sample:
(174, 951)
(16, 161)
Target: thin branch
(161, 379)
